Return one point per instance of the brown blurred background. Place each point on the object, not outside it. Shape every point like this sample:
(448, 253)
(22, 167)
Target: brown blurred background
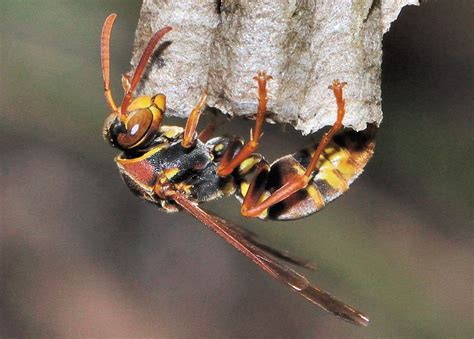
(81, 256)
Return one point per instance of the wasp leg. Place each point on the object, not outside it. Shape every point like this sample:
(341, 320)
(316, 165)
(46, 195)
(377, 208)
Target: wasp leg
(212, 125)
(208, 131)
(229, 162)
(253, 206)
(336, 87)
(254, 194)
(190, 135)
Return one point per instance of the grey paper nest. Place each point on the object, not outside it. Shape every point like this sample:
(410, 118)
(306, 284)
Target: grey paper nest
(304, 45)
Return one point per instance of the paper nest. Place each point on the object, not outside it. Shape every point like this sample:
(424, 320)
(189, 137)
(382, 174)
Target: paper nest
(304, 45)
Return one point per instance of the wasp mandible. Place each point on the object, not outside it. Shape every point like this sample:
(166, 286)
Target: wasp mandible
(176, 169)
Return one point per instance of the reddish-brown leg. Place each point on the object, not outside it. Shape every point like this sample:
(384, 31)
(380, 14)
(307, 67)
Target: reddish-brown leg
(228, 163)
(189, 137)
(210, 128)
(252, 209)
(208, 131)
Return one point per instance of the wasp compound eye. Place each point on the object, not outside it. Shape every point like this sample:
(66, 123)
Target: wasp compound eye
(138, 123)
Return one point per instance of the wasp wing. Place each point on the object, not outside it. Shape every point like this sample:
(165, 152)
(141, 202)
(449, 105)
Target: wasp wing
(277, 270)
(249, 236)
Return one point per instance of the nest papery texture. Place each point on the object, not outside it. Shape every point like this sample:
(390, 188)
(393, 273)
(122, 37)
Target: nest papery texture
(304, 45)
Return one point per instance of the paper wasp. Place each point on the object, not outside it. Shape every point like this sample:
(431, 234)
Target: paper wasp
(176, 169)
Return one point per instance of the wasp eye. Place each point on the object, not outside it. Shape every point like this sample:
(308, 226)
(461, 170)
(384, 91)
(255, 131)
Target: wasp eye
(138, 123)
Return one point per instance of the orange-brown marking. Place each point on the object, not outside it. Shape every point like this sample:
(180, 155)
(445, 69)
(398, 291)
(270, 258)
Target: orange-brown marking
(191, 124)
(227, 164)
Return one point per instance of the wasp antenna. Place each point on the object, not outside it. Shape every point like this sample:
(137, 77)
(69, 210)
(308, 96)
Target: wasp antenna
(105, 59)
(142, 64)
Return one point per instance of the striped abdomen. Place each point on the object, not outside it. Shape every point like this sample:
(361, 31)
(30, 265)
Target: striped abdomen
(339, 165)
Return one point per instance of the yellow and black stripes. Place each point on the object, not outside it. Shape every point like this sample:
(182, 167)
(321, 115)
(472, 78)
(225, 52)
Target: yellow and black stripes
(339, 165)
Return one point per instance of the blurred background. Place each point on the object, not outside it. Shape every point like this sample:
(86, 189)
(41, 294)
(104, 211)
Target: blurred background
(81, 256)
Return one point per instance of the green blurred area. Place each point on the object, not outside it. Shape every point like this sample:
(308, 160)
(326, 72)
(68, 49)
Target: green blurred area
(81, 256)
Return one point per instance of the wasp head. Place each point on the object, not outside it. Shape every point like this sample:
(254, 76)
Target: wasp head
(135, 122)
(138, 125)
